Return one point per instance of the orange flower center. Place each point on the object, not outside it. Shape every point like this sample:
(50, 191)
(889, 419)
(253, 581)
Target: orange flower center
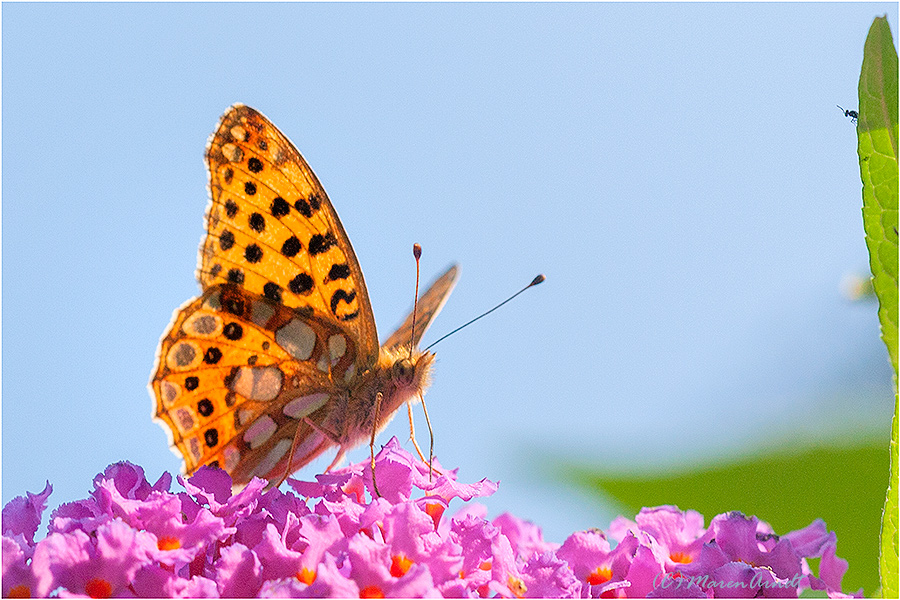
(599, 576)
(19, 591)
(435, 511)
(484, 566)
(371, 591)
(98, 588)
(306, 576)
(516, 586)
(168, 543)
(400, 565)
(680, 557)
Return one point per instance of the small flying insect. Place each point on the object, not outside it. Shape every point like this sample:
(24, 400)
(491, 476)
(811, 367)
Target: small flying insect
(849, 113)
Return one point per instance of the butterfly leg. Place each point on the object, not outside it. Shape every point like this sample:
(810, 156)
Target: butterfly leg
(378, 398)
(290, 456)
(430, 437)
(412, 436)
(331, 437)
(297, 436)
(337, 459)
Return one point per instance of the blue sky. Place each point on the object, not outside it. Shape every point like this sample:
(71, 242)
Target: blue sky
(679, 172)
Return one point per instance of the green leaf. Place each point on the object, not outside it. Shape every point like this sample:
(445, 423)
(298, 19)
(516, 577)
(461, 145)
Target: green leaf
(887, 562)
(878, 132)
(788, 488)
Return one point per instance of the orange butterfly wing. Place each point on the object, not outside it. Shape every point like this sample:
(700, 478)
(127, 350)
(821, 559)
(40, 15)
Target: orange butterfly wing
(272, 229)
(236, 375)
(282, 342)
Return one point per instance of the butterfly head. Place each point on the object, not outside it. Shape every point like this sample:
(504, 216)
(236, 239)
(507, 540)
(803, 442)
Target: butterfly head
(403, 371)
(408, 374)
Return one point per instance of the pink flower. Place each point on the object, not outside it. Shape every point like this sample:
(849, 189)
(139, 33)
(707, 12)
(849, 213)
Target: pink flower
(598, 568)
(22, 515)
(100, 567)
(338, 538)
(18, 579)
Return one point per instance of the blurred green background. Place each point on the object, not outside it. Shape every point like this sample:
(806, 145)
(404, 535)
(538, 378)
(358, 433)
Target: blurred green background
(789, 487)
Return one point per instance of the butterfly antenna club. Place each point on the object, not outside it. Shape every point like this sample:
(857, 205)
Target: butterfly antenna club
(417, 254)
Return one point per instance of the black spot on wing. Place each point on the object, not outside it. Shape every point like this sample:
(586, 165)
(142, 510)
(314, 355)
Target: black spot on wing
(205, 407)
(236, 276)
(321, 243)
(291, 247)
(279, 207)
(301, 284)
(226, 240)
(342, 296)
(339, 271)
(272, 291)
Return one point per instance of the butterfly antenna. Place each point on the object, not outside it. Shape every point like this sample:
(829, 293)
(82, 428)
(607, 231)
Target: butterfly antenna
(417, 253)
(534, 282)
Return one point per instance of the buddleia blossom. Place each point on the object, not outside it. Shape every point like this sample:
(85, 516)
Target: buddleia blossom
(333, 538)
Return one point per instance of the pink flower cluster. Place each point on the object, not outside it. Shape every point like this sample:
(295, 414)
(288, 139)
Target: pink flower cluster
(131, 538)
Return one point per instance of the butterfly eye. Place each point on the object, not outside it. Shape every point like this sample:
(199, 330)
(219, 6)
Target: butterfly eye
(403, 370)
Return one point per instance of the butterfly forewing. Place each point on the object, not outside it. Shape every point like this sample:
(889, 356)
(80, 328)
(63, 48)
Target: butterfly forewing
(272, 230)
(278, 359)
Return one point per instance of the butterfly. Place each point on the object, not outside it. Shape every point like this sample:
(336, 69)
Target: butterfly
(278, 360)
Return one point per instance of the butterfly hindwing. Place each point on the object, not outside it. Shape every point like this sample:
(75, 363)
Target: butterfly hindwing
(272, 230)
(237, 373)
